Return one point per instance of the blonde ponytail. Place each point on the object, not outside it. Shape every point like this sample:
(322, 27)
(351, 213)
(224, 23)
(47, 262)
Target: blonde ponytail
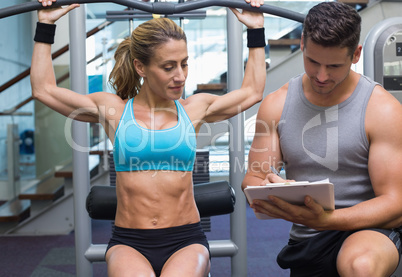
(124, 78)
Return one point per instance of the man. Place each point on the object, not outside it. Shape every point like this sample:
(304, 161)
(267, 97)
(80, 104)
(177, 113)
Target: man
(332, 122)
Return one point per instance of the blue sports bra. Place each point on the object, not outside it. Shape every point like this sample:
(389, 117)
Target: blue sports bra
(140, 149)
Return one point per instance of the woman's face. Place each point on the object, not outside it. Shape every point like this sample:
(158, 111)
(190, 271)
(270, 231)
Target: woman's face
(167, 71)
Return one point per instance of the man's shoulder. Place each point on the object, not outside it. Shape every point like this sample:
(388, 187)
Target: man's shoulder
(384, 111)
(381, 99)
(272, 105)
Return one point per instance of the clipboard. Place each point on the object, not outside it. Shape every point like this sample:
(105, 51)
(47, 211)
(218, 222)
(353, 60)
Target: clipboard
(294, 192)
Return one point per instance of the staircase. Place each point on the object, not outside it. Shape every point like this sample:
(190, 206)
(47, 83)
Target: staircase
(46, 207)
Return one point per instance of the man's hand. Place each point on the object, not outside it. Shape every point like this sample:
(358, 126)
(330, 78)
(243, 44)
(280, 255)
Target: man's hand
(273, 178)
(310, 214)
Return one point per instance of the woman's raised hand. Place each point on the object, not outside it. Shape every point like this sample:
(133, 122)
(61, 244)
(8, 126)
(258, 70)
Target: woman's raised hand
(46, 3)
(251, 19)
(50, 16)
(255, 3)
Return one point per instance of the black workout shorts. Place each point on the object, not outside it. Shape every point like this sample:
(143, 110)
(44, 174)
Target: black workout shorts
(157, 245)
(317, 256)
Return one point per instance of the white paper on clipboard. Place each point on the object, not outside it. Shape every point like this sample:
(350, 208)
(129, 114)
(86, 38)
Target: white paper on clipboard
(294, 192)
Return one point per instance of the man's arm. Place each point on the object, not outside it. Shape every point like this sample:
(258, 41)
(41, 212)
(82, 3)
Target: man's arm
(265, 151)
(384, 131)
(383, 128)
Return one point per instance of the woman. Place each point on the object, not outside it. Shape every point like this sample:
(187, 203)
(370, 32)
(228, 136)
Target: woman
(157, 225)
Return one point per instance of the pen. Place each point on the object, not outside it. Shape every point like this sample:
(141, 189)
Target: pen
(274, 170)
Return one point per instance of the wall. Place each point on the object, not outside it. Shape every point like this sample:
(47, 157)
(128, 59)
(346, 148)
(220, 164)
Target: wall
(15, 56)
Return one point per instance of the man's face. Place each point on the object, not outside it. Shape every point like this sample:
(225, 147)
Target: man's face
(326, 67)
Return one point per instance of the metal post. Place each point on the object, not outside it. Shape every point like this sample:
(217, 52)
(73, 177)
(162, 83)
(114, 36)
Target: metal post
(104, 88)
(78, 75)
(13, 163)
(238, 221)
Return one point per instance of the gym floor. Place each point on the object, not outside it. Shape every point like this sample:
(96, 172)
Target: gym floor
(54, 256)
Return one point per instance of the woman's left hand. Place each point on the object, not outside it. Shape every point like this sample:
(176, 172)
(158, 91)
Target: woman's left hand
(51, 15)
(255, 3)
(252, 20)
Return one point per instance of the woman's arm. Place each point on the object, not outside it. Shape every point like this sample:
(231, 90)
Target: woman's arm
(43, 81)
(217, 108)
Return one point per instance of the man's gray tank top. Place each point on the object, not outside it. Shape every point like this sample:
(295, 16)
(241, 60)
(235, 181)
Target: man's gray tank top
(327, 142)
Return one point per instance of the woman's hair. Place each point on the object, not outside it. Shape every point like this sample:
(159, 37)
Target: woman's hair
(141, 45)
(333, 24)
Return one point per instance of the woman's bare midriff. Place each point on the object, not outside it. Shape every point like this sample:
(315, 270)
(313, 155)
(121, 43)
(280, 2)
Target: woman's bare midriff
(155, 199)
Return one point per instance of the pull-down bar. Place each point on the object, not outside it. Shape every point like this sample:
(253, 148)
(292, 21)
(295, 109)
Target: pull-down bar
(161, 7)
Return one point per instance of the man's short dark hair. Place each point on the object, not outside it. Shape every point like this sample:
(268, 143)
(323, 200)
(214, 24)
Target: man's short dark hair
(333, 24)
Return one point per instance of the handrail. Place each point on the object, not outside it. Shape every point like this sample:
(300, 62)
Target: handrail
(14, 109)
(59, 80)
(26, 73)
(161, 7)
(56, 54)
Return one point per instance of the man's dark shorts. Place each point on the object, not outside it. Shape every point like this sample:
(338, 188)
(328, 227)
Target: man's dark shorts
(317, 256)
